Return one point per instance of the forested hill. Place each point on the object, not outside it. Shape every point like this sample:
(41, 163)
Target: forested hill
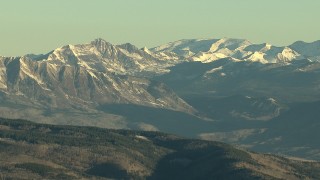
(38, 151)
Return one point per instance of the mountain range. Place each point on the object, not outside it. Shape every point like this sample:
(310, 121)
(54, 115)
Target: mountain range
(216, 89)
(208, 50)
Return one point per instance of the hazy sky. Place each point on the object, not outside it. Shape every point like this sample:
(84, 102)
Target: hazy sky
(38, 26)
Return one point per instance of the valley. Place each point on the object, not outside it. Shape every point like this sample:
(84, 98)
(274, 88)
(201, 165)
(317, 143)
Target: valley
(228, 90)
(40, 151)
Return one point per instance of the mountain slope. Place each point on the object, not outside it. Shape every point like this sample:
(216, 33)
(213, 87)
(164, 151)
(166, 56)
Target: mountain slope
(85, 76)
(298, 128)
(309, 50)
(40, 151)
(69, 85)
(208, 50)
(105, 57)
(293, 82)
(233, 91)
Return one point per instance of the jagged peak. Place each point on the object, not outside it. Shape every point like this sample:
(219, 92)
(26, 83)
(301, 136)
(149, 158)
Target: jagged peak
(100, 42)
(37, 57)
(267, 45)
(68, 47)
(129, 47)
(145, 49)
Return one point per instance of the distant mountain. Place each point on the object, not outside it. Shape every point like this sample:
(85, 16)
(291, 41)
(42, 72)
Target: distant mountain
(88, 75)
(102, 56)
(216, 89)
(208, 50)
(248, 101)
(294, 82)
(39, 151)
(193, 46)
(309, 50)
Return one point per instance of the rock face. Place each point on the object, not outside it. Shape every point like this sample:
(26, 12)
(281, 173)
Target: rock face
(232, 90)
(85, 76)
(102, 56)
(88, 75)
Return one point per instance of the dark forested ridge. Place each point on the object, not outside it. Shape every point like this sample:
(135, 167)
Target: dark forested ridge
(37, 151)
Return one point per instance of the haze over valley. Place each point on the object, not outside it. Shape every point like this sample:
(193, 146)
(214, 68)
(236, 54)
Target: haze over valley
(152, 90)
(229, 90)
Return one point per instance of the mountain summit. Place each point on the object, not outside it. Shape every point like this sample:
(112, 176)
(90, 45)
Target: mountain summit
(86, 76)
(208, 50)
(219, 89)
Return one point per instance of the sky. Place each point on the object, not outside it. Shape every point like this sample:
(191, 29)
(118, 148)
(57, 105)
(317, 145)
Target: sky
(39, 26)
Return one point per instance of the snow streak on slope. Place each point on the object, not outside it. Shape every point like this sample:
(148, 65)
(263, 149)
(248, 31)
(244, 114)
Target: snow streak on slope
(100, 72)
(121, 59)
(309, 50)
(89, 75)
(208, 50)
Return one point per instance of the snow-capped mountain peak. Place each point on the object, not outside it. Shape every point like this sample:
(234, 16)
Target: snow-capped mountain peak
(208, 50)
(229, 43)
(101, 44)
(88, 75)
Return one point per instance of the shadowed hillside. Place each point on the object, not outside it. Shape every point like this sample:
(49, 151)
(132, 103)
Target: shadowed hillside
(38, 151)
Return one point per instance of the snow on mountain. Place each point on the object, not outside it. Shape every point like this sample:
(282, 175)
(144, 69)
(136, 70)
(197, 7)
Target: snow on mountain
(208, 50)
(206, 57)
(288, 54)
(309, 50)
(186, 48)
(257, 57)
(88, 75)
(258, 47)
(100, 72)
(2, 74)
(162, 55)
(230, 44)
(121, 59)
(267, 53)
(189, 48)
